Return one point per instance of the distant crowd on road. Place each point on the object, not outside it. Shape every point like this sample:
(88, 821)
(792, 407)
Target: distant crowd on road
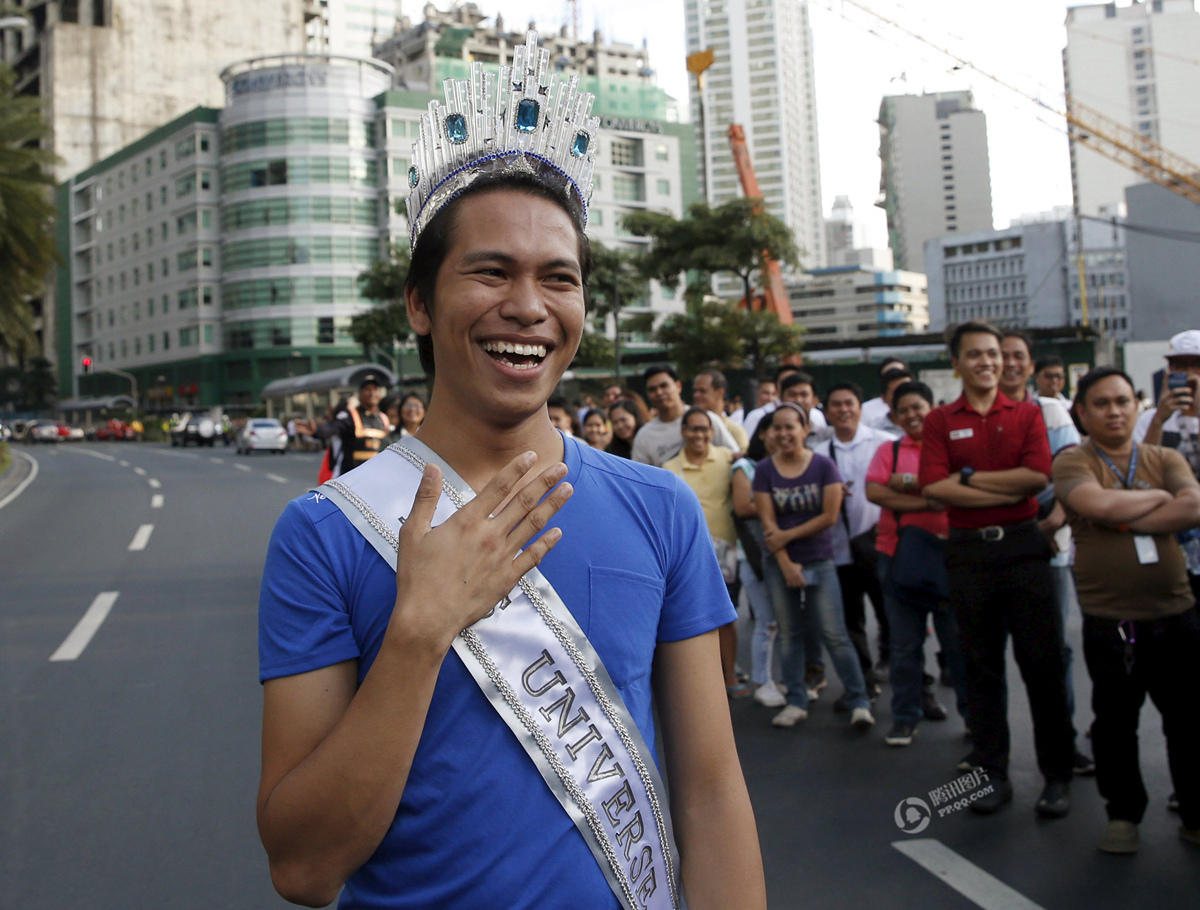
(983, 518)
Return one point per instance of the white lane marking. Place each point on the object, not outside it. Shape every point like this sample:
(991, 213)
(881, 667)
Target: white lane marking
(277, 478)
(963, 876)
(99, 455)
(241, 467)
(175, 454)
(140, 472)
(123, 463)
(156, 501)
(79, 637)
(33, 472)
(155, 483)
(141, 537)
(216, 460)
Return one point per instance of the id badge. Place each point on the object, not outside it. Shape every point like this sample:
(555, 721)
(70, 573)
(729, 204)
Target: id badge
(1147, 550)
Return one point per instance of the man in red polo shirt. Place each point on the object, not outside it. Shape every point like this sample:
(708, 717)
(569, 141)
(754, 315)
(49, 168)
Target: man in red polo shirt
(985, 456)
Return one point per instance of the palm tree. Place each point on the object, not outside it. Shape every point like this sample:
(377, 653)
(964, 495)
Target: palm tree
(27, 213)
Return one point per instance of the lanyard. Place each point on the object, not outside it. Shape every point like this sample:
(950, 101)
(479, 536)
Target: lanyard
(1133, 460)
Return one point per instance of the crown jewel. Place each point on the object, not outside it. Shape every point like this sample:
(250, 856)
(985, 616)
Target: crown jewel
(526, 121)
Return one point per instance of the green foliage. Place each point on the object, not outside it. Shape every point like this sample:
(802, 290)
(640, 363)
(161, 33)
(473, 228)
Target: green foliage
(27, 212)
(731, 237)
(31, 387)
(386, 323)
(617, 280)
(707, 334)
(594, 351)
(766, 340)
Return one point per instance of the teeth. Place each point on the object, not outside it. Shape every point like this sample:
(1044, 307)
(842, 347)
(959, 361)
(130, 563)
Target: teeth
(505, 347)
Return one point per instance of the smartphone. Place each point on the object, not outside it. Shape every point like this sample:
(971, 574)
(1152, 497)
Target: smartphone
(1177, 381)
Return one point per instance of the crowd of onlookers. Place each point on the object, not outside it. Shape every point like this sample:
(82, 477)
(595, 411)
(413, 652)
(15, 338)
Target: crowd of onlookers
(976, 521)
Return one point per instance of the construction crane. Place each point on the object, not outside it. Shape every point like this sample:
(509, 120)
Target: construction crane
(774, 294)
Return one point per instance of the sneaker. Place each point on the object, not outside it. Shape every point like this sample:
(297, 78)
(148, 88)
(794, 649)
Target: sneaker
(931, 708)
(1055, 801)
(741, 690)
(1119, 837)
(968, 763)
(789, 717)
(1000, 794)
(769, 696)
(861, 719)
(1191, 835)
(841, 704)
(814, 677)
(881, 670)
(1173, 802)
(1083, 765)
(814, 694)
(900, 735)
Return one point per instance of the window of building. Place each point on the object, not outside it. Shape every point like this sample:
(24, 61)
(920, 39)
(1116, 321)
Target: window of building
(627, 152)
(664, 187)
(662, 153)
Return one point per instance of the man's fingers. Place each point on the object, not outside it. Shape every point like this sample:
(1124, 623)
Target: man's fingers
(496, 492)
(428, 493)
(540, 516)
(524, 500)
(533, 554)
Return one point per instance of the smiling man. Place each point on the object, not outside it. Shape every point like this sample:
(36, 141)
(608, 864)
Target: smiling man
(460, 714)
(986, 457)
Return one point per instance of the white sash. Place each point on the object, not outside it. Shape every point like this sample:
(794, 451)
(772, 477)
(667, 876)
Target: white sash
(544, 678)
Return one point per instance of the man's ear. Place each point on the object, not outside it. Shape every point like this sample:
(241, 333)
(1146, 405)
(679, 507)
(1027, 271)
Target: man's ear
(418, 313)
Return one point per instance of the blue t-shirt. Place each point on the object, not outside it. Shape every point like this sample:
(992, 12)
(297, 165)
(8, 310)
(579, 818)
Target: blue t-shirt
(797, 500)
(477, 825)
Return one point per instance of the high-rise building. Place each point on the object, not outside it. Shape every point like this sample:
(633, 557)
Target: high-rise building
(857, 302)
(934, 176)
(348, 27)
(1135, 65)
(839, 231)
(762, 78)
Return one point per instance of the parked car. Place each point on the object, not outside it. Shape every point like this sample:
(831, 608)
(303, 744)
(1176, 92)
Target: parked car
(262, 433)
(70, 433)
(43, 431)
(199, 431)
(115, 429)
(5, 432)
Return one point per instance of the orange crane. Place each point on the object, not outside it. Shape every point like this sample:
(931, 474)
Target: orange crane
(774, 294)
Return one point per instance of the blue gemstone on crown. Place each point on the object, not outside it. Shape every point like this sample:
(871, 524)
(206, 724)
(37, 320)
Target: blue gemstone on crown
(580, 146)
(527, 115)
(456, 128)
(413, 177)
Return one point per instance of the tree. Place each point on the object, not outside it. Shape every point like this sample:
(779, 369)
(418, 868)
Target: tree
(27, 213)
(731, 237)
(766, 340)
(708, 333)
(617, 279)
(386, 324)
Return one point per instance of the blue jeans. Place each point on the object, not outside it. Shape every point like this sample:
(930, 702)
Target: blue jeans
(821, 600)
(763, 618)
(1063, 588)
(908, 623)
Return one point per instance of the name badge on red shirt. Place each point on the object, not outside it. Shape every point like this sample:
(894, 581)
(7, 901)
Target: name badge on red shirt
(962, 434)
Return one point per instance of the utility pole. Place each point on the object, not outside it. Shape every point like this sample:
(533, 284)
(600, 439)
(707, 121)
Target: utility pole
(697, 63)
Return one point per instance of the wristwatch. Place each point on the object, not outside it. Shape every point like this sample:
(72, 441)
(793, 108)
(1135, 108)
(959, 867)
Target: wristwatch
(908, 481)
(965, 475)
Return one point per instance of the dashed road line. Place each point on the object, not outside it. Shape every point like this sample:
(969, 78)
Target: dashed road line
(93, 454)
(87, 626)
(216, 460)
(977, 886)
(20, 488)
(155, 483)
(156, 501)
(123, 463)
(241, 467)
(141, 537)
(277, 478)
(140, 472)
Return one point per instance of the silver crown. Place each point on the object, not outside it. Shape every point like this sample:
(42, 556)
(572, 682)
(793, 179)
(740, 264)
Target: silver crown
(531, 123)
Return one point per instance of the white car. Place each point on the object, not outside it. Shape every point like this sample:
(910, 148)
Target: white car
(43, 431)
(262, 433)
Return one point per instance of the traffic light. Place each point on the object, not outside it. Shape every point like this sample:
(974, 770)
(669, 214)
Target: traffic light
(86, 363)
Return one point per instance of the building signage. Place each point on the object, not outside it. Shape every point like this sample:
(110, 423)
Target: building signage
(630, 125)
(270, 80)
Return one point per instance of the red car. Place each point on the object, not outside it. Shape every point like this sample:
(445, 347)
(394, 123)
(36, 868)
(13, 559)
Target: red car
(115, 429)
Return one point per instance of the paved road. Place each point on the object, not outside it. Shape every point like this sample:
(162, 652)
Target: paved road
(128, 765)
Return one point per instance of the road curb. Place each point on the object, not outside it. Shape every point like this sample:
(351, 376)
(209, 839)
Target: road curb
(18, 470)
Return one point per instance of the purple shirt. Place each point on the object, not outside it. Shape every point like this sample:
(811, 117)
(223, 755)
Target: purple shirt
(797, 500)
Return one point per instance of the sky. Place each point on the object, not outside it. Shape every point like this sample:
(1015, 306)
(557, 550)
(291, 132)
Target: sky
(859, 58)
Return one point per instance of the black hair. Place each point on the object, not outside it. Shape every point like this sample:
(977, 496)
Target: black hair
(912, 387)
(659, 368)
(885, 366)
(968, 328)
(1050, 360)
(408, 395)
(598, 413)
(892, 375)
(433, 244)
(781, 369)
(690, 411)
(1017, 333)
(718, 378)
(1084, 385)
(797, 378)
(756, 450)
(852, 387)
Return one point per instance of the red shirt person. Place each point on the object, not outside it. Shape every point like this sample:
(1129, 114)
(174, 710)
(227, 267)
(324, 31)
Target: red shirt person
(985, 457)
